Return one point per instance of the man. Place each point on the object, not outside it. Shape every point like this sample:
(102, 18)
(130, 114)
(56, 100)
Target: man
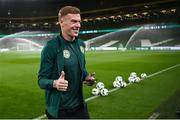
(62, 69)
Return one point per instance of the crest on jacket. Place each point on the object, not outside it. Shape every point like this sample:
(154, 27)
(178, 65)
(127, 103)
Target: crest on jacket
(66, 54)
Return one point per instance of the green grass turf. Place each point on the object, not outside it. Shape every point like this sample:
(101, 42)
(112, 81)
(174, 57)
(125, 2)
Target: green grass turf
(20, 96)
(169, 108)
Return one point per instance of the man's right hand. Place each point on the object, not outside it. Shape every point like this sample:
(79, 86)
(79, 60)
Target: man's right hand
(61, 84)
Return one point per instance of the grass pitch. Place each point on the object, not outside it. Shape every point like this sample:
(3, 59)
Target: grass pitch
(20, 96)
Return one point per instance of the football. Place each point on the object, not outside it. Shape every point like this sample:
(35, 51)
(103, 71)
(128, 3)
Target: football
(137, 79)
(131, 79)
(143, 75)
(123, 84)
(95, 91)
(100, 85)
(133, 74)
(119, 78)
(104, 92)
(116, 84)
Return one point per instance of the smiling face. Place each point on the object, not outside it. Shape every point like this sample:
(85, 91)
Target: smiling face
(70, 26)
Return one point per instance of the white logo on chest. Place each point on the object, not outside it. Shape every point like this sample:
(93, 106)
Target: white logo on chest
(66, 53)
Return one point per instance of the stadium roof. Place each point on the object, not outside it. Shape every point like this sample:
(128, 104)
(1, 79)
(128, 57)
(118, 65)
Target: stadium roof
(44, 8)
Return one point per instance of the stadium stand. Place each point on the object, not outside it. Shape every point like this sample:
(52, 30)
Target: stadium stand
(103, 15)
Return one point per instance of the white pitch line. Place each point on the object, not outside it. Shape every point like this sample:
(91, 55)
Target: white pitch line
(164, 70)
(154, 116)
(40, 117)
(114, 89)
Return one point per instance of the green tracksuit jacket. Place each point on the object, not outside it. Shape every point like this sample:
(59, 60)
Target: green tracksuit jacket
(53, 58)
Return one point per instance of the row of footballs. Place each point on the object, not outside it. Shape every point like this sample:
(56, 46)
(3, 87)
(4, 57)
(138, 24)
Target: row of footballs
(132, 79)
(118, 83)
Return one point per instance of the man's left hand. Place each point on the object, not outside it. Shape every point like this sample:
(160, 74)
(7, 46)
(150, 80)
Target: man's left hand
(90, 79)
